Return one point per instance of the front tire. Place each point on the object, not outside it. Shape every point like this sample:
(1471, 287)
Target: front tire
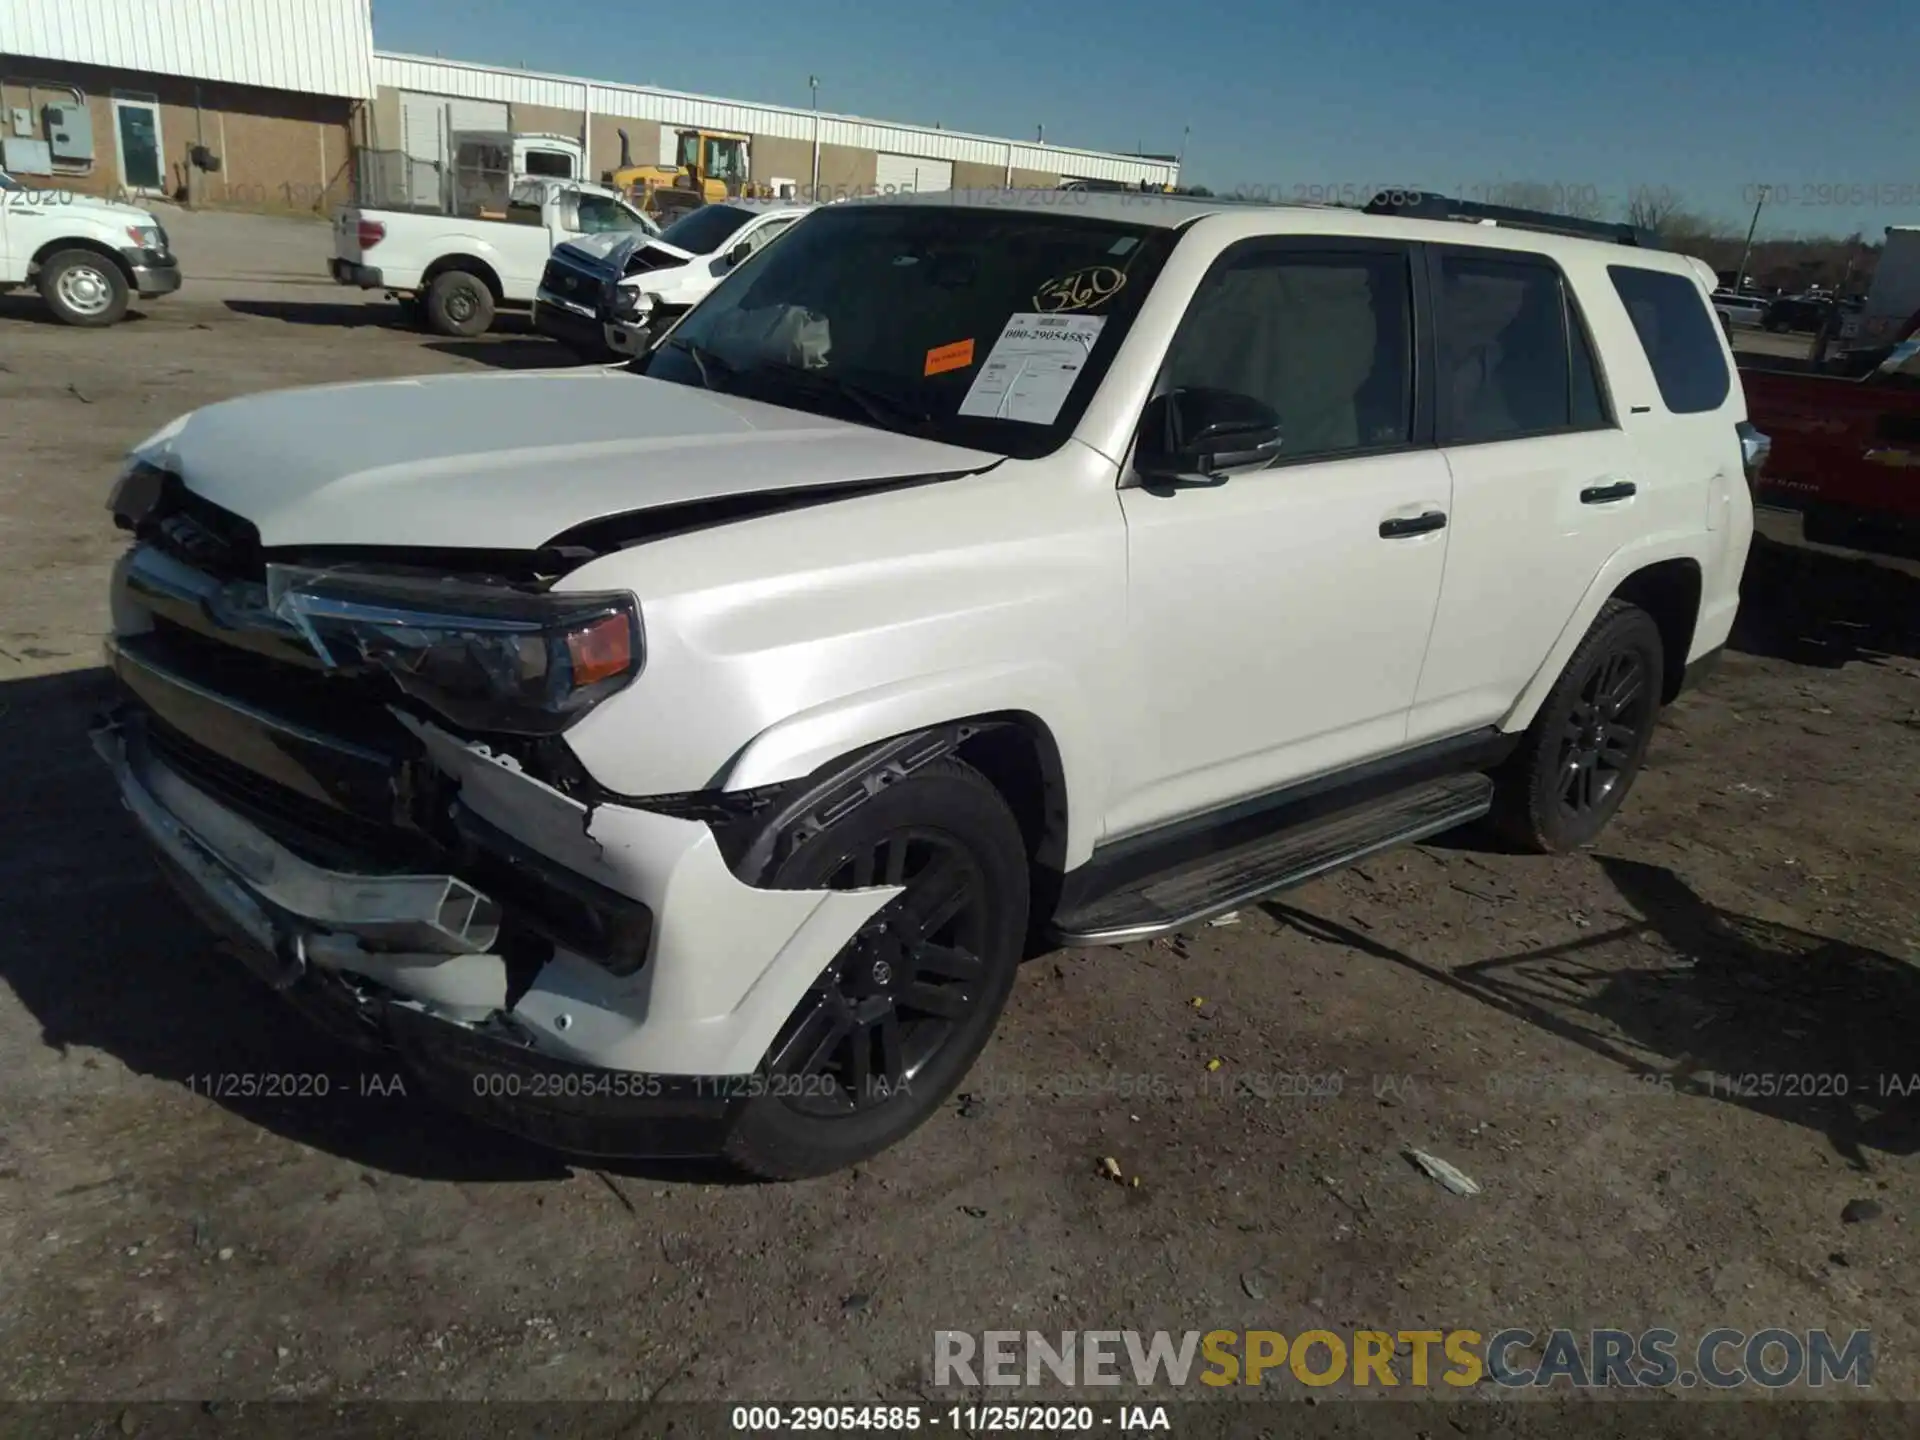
(900, 1014)
(1584, 748)
(459, 304)
(84, 288)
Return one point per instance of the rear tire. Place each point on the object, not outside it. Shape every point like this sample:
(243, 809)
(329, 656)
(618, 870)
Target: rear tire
(898, 1017)
(459, 304)
(1584, 748)
(83, 287)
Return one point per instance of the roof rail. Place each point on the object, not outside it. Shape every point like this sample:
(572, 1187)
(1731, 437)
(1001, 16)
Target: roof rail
(1418, 205)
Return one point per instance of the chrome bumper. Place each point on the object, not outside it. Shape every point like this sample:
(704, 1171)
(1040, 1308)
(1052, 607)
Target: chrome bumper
(294, 912)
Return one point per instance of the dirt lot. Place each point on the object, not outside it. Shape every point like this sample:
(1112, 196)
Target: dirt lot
(1550, 1026)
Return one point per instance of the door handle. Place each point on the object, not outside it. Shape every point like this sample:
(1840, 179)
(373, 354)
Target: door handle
(1401, 526)
(1607, 494)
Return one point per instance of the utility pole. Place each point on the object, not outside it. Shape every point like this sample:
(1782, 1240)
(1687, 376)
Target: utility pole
(813, 87)
(1740, 277)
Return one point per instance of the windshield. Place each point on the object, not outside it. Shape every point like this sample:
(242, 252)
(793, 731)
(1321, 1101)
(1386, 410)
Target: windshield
(702, 231)
(988, 328)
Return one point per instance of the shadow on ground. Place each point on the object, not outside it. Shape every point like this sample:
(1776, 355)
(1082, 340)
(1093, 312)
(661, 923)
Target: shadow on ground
(1800, 1027)
(1814, 607)
(338, 314)
(105, 957)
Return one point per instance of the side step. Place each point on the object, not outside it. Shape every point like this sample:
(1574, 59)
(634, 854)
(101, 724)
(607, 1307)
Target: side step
(1175, 899)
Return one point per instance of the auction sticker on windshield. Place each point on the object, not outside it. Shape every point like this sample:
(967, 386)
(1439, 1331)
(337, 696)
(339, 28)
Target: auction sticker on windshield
(1032, 367)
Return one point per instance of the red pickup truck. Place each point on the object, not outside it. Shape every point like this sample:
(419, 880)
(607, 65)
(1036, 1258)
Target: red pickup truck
(1846, 443)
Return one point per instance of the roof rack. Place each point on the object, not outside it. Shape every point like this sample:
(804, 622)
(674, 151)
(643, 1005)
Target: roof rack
(1417, 205)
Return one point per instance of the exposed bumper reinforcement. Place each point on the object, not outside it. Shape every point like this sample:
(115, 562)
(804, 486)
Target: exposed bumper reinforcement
(290, 908)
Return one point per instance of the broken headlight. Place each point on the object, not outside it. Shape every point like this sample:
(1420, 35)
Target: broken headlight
(487, 657)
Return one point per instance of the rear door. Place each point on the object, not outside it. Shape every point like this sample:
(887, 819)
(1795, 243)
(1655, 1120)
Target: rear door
(1546, 483)
(1277, 618)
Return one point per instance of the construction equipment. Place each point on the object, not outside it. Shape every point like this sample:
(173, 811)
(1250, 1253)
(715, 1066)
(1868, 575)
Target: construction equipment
(709, 165)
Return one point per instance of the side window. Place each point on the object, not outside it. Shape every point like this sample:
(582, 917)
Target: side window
(1679, 334)
(760, 238)
(1323, 339)
(1506, 368)
(598, 213)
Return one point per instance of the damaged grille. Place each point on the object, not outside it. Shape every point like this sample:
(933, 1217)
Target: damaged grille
(575, 283)
(198, 532)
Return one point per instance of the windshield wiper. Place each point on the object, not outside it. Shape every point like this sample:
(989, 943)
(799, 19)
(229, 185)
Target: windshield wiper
(882, 407)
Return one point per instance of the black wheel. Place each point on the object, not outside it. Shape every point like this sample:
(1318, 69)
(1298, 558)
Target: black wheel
(459, 304)
(1584, 748)
(83, 287)
(889, 1029)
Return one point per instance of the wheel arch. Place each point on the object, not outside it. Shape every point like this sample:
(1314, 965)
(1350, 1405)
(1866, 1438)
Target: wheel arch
(1028, 734)
(80, 242)
(470, 264)
(1664, 577)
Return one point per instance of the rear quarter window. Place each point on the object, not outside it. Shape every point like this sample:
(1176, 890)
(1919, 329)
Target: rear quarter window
(1680, 335)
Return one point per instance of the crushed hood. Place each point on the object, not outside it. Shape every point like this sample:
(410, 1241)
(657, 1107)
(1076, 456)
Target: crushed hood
(508, 461)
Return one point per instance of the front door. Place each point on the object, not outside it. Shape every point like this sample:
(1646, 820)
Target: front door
(1278, 618)
(137, 128)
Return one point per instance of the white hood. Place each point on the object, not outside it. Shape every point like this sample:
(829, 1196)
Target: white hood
(111, 210)
(509, 461)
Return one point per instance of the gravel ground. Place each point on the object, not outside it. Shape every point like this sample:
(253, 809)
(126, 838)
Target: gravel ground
(1571, 1032)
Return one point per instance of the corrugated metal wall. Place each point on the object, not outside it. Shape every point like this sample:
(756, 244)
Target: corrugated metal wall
(321, 47)
(633, 102)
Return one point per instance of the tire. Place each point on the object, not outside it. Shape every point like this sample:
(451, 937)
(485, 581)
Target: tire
(84, 287)
(459, 304)
(895, 1022)
(1581, 754)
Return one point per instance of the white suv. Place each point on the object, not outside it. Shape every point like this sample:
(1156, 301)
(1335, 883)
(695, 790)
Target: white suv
(684, 755)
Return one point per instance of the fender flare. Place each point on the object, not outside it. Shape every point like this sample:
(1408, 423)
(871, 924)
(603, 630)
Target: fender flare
(802, 743)
(474, 261)
(1625, 562)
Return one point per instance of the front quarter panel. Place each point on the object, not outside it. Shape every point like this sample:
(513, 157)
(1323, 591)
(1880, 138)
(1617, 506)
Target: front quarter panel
(778, 643)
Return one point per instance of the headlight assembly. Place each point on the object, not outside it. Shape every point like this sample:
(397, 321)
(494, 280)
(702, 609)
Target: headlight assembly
(485, 657)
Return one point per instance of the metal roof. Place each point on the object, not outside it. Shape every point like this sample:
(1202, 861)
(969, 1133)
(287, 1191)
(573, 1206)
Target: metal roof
(317, 47)
(467, 80)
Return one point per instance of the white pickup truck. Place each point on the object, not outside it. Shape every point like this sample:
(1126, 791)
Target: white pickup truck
(88, 258)
(454, 271)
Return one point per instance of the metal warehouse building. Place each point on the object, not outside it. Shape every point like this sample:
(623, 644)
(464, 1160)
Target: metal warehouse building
(261, 104)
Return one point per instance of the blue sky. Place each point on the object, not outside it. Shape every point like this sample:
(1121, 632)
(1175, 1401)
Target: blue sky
(1710, 99)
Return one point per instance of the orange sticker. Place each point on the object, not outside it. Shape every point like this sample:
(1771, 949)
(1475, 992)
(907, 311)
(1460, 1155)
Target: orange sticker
(956, 356)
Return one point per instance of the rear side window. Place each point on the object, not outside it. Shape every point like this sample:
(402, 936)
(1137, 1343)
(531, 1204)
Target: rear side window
(1679, 334)
(1513, 361)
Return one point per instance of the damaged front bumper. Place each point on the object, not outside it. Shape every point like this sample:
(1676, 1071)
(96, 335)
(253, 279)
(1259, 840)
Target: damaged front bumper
(563, 1051)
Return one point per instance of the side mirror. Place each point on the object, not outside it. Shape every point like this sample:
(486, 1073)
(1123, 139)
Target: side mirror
(739, 252)
(1193, 436)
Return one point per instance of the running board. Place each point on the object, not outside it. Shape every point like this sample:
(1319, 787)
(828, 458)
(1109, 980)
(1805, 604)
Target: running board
(1175, 899)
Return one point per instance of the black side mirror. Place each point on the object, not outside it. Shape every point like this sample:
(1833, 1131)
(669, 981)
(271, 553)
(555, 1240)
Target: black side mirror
(739, 252)
(1193, 436)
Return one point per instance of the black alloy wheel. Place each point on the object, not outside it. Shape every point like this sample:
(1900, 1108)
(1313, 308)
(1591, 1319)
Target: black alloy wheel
(1579, 757)
(886, 1031)
(1599, 745)
(898, 991)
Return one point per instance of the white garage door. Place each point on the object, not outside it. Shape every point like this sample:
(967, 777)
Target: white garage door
(894, 173)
